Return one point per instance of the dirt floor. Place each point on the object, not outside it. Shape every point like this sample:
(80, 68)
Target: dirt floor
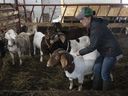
(16, 80)
(35, 79)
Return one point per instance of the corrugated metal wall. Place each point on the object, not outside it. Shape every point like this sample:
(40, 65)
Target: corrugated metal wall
(6, 1)
(38, 9)
(48, 9)
(90, 1)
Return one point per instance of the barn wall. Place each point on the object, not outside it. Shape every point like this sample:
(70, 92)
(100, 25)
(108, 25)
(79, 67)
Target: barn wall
(8, 16)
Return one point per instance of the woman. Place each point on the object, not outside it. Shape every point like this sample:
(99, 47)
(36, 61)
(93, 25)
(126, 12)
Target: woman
(102, 39)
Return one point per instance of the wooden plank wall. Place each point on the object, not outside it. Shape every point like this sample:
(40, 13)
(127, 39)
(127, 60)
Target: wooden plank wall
(8, 16)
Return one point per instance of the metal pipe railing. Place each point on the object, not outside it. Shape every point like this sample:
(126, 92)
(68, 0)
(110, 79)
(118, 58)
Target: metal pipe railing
(64, 13)
(67, 5)
(90, 4)
(65, 8)
(53, 13)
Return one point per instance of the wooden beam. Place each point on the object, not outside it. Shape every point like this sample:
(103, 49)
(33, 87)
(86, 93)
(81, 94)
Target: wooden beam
(7, 22)
(111, 25)
(8, 13)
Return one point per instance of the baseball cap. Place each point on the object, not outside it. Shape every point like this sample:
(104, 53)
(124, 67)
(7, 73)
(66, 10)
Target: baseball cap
(85, 12)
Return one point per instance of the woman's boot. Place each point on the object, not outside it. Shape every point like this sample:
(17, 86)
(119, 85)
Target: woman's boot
(97, 83)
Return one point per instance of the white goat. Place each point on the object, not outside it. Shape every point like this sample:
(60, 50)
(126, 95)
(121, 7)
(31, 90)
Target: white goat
(75, 67)
(37, 43)
(17, 43)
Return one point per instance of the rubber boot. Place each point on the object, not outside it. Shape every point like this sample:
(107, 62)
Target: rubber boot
(107, 85)
(97, 83)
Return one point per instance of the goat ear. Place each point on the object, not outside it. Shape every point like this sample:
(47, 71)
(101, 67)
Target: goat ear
(63, 62)
(62, 38)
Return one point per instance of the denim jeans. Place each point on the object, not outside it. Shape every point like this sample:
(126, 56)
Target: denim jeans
(103, 67)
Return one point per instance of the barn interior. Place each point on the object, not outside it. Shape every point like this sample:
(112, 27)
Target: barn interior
(33, 78)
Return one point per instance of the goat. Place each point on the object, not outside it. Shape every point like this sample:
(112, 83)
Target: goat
(17, 43)
(37, 43)
(75, 67)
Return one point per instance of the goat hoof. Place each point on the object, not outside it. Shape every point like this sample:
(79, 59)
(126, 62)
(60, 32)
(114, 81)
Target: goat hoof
(41, 60)
(13, 63)
(80, 88)
(20, 64)
(70, 87)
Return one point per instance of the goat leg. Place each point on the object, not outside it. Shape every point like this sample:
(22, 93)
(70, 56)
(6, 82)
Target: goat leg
(19, 54)
(71, 84)
(41, 56)
(80, 87)
(34, 49)
(80, 81)
(12, 56)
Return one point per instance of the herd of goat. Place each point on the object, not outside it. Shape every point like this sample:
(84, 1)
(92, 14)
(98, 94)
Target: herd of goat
(62, 50)
(58, 45)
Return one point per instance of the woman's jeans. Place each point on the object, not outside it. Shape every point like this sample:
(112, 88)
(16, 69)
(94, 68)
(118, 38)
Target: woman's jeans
(103, 67)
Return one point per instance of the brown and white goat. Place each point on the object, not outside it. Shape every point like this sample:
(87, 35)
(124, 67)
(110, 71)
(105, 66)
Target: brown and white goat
(75, 67)
(42, 42)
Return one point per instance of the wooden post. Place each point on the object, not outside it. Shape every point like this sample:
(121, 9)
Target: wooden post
(25, 11)
(17, 8)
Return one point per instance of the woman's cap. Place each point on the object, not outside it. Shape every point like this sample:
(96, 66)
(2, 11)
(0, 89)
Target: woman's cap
(85, 12)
